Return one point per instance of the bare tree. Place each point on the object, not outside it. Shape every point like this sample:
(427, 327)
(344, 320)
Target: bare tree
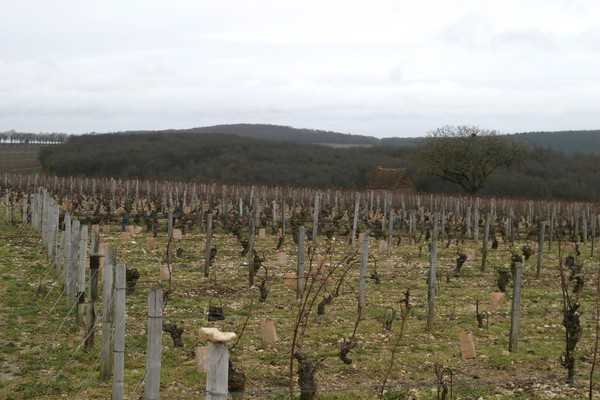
(467, 155)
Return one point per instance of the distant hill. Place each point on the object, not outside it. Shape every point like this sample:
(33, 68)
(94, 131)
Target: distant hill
(562, 165)
(401, 142)
(567, 142)
(215, 157)
(228, 158)
(277, 133)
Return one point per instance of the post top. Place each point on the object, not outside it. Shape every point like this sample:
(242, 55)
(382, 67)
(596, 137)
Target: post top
(216, 336)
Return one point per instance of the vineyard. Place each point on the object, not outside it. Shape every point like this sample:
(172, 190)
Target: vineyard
(20, 158)
(108, 284)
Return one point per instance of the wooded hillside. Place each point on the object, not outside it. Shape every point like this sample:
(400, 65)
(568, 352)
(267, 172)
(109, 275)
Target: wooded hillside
(233, 159)
(215, 157)
(278, 133)
(569, 142)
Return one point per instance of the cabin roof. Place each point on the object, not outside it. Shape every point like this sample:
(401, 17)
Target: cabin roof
(390, 179)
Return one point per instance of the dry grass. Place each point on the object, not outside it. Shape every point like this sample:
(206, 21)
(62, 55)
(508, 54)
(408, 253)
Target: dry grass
(20, 158)
(42, 355)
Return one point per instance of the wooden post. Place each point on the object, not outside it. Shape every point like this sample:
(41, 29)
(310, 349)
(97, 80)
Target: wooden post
(469, 234)
(41, 202)
(66, 252)
(137, 191)
(28, 209)
(24, 211)
(584, 228)
(301, 278)
(486, 238)
(315, 229)
(576, 229)
(52, 232)
(73, 265)
(91, 314)
(511, 226)
(355, 220)
(45, 218)
(364, 259)
(593, 234)
(107, 314)
(412, 230)
(540, 255)
(251, 249)
(551, 235)
(224, 204)
(81, 273)
(154, 346)
(422, 218)
(513, 340)
(443, 224)
(283, 216)
(432, 275)
(385, 211)
(390, 232)
(50, 218)
(217, 372)
(170, 237)
(476, 221)
(256, 213)
(35, 202)
(208, 244)
(113, 188)
(7, 205)
(194, 199)
(119, 348)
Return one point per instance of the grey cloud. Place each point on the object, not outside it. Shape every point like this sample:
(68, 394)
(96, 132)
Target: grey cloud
(529, 37)
(590, 38)
(470, 30)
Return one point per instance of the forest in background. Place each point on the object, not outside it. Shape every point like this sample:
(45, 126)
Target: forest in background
(226, 158)
(568, 142)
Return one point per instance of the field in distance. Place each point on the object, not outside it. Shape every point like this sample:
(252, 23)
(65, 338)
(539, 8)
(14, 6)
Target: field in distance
(20, 158)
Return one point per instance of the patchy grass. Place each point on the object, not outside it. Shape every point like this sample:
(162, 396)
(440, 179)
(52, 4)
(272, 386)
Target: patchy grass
(42, 355)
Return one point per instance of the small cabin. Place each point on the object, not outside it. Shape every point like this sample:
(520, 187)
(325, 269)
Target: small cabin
(391, 179)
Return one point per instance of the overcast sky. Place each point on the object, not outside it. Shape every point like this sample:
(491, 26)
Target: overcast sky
(379, 68)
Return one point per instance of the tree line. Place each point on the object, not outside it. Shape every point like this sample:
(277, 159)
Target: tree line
(570, 142)
(14, 137)
(230, 159)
